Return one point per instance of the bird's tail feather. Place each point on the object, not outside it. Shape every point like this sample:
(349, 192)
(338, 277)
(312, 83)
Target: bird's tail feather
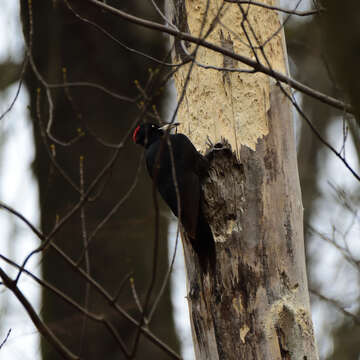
(204, 246)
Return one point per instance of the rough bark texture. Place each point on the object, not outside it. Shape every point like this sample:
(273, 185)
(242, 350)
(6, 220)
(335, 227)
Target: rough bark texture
(256, 305)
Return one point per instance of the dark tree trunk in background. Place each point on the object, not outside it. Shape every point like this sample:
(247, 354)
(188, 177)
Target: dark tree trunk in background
(340, 26)
(125, 243)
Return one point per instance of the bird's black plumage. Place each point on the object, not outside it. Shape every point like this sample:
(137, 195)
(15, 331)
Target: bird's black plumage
(189, 167)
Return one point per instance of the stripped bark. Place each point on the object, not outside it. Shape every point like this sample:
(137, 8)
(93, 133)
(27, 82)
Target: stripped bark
(256, 304)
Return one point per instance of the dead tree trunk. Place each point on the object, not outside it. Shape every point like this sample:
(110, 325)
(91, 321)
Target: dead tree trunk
(256, 305)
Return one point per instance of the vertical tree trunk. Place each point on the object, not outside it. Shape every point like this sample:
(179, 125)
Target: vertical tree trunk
(256, 305)
(61, 40)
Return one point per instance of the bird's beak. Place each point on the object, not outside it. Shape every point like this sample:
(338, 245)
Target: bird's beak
(169, 127)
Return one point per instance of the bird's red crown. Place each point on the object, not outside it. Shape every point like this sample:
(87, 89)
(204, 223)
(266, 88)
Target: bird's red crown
(135, 133)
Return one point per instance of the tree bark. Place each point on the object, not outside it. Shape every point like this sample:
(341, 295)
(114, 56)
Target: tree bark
(256, 304)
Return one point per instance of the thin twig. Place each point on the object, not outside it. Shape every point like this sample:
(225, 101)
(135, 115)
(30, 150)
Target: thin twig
(5, 339)
(95, 317)
(40, 325)
(336, 305)
(117, 41)
(23, 69)
(300, 111)
(86, 256)
(121, 286)
(338, 104)
(137, 299)
(113, 211)
(278, 8)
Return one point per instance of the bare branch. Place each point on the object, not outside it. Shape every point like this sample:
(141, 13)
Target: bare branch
(95, 86)
(23, 68)
(37, 232)
(110, 299)
(338, 104)
(41, 326)
(113, 38)
(336, 305)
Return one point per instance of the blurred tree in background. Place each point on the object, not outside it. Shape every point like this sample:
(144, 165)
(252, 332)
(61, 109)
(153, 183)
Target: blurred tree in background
(325, 56)
(68, 48)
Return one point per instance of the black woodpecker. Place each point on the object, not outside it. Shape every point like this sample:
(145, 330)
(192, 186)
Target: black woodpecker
(189, 167)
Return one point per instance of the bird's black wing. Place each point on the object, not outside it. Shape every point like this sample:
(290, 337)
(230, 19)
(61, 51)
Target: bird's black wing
(187, 182)
(190, 202)
(161, 170)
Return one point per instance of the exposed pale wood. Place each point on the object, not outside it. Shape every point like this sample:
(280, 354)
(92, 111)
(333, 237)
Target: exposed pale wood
(222, 104)
(256, 305)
